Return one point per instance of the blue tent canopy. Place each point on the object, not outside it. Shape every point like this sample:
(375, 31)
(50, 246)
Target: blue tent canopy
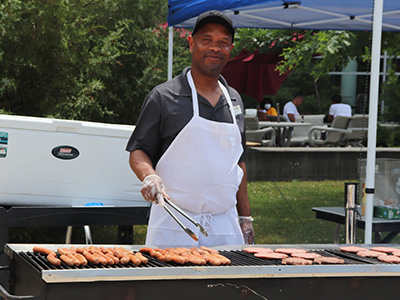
(280, 14)
(374, 15)
(182, 10)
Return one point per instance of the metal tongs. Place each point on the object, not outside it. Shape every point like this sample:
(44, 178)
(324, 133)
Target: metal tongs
(186, 229)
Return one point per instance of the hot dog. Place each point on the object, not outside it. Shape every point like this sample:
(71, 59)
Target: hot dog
(64, 251)
(108, 260)
(118, 253)
(224, 260)
(143, 260)
(75, 259)
(194, 259)
(126, 250)
(67, 260)
(104, 249)
(162, 251)
(195, 251)
(175, 251)
(53, 260)
(110, 255)
(148, 250)
(124, 259)
(178, 258)
(81, 258)
(101, 259)
(93, 248)
(43, 250)
(134, 259)
(92, 259)
(82, 249)
(211, 259)
(208, 249)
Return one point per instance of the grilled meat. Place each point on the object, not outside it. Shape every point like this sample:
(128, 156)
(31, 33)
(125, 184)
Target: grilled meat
(296, 261)
(328, 260)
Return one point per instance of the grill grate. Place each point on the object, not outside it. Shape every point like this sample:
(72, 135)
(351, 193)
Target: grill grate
(237, 257)
(39, 261)
(252, 260)
(354, 256)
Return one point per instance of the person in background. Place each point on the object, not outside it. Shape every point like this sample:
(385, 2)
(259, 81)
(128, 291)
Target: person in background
(290, 109)
(265, 109)
(338, 108)
(188, 146)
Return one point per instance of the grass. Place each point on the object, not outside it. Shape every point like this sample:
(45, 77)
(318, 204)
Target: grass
(281, 210)
(283, 215)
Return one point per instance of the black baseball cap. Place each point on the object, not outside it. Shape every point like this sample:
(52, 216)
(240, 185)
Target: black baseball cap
(214, 16)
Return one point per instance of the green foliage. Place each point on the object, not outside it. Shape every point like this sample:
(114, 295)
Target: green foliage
(388, 136)
(79, 59)
(391, 96)
(299, 47)
(334, 49)
(96, 60)
(263, 40)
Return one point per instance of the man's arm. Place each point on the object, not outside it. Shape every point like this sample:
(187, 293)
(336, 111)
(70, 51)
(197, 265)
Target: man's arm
(243, 205)
(291, 117)
(243, 208)
(141, 164)
(153, 188)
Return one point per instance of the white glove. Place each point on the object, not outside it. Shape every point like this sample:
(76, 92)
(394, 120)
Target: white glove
(246, 224)
(153, 189)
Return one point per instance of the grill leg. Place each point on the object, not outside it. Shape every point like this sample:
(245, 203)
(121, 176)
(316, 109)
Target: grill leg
(3, 242)
(337, 233)
(88, 235)
(68, 235)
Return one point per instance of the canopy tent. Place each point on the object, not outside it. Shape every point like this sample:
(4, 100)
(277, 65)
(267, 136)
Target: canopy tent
(375, 15)
(304, 14)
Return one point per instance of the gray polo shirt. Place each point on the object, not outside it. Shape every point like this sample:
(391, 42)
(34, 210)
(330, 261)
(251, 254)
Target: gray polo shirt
(168, 108)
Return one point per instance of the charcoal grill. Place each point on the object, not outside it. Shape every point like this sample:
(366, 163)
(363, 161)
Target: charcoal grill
(247, 277)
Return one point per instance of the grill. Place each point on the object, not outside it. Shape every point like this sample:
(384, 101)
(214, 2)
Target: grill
(247, 277)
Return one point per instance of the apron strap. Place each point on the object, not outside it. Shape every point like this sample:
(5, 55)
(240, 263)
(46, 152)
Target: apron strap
(228, 99)
(195, 98)
(194, 94)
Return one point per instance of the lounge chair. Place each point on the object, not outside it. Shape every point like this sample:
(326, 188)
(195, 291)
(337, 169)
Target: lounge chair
(359, 131)
(257, 136)
(334, 134)
(300, 134)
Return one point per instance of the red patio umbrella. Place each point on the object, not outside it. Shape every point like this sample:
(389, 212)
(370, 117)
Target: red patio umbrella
(254, 74)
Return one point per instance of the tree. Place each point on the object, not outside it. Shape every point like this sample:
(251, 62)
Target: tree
(311, 55)
(80, 59)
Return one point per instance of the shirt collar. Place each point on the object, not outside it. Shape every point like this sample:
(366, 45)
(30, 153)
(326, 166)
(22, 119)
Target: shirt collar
(181, 85)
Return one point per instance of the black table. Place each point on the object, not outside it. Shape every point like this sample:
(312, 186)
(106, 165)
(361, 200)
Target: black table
(379, 225)
(48, 216)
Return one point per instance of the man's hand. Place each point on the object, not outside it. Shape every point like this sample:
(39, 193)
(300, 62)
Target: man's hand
(246, 224)
(153, 189)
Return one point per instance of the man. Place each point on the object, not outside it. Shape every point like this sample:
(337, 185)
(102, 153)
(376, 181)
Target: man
(338, 108)
(188, 146)
(290, 109)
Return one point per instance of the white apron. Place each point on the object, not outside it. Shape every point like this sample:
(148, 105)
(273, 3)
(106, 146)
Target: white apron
(201, 175)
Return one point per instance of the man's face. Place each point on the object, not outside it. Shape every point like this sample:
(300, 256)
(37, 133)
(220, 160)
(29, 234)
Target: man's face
(298, 101)
(211, 48)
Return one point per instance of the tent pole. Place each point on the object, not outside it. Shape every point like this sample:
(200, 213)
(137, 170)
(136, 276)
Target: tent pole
(373, 117)
(170, 50)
